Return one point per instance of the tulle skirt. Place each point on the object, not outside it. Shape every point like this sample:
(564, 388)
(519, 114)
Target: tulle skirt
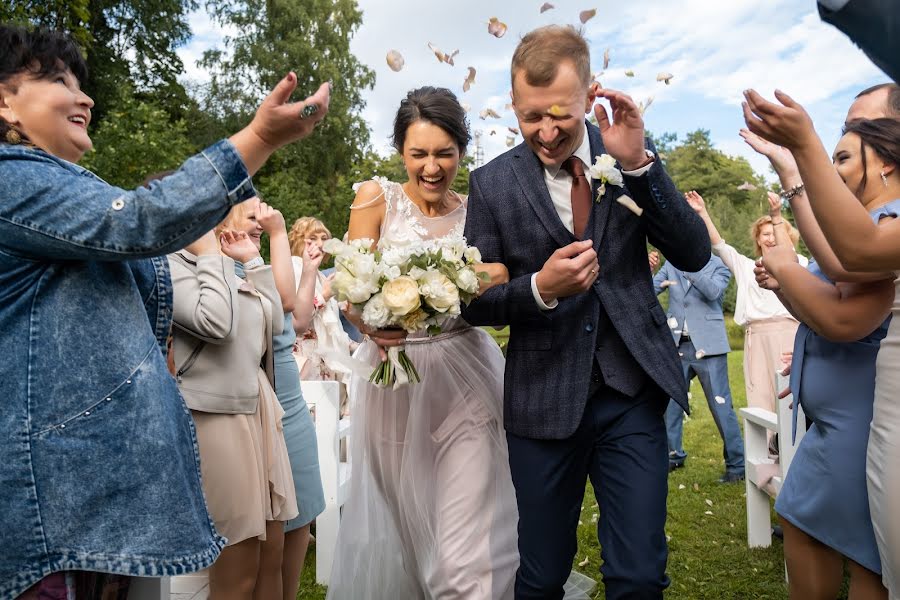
(432, 509)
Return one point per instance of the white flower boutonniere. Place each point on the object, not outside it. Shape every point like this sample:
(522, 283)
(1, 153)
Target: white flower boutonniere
(604, 170)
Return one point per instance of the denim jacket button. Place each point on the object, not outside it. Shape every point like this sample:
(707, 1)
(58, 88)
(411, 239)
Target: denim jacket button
(128, 381)
(109, 399)
(118, 204)
(63, 426)
(87, 413)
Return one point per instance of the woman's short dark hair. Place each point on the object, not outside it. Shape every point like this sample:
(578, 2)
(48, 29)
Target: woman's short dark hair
(42, 53)
(438, 106)
(882, 136)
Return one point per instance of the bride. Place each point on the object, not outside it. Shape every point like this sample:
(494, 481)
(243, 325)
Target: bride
(432, 509)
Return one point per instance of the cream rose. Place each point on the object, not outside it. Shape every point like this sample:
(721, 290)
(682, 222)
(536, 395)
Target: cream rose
(401, 296)
(467, 280)
(473, 255)
(415, 321)
(439, 292)
(376, 314)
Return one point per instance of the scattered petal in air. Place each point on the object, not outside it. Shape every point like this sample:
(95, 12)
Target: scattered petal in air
(586, 15)
(747, 187)
(513, 130)
(445, 58)
(668, 538)
(508, 106)
(584, 562)
(630, 204)
(546, 6)
(596, 77)
(493, 132)
(720, 400)
(700, 354)
(466, 107)
(664, 77)
(510, 141)
(581, 522)
(643, 105)
(681, 486)
(489, 112)
(629, 73)
(709, 502)
(689, 396)
(496, 27)
(696, 487)
(556, 111)
(470, 79)
(595, 517)
(673, 322)
(709, 512)
(606, 59)
(395, 60)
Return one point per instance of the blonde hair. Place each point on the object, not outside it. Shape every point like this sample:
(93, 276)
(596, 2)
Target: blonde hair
(767, 220)
(302, 229)
(539, 53)
(237, 213)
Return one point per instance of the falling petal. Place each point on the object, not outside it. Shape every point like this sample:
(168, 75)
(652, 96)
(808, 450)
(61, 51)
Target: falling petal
(489, 112)
(496, 27)
(673, 322)
(747, 187)
(709, 512)
(664, 77)
(395, 60)
(445, 58)
(470, 79)
(584, 562)
(556, 111)
(595, 517)
(466, 107)
(510, 141)
(581, 522)
(587, 15)
(720, 400)
(596, 77)
(630, 204)
(709, 502)
(696, 487)
(546, 6)
(493, 132)
(629, 73)
(689, 395)
(606, 59)
(668, 538)
(681, 486)
(700, 354)
(644, 105)
(513, 130)
(449, 59)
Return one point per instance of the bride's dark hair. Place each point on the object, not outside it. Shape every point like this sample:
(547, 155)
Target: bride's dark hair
(434, 105)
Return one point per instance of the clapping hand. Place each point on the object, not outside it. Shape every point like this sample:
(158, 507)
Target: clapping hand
(786, 124)
(238, 246)
(780, 157)
(623, 138)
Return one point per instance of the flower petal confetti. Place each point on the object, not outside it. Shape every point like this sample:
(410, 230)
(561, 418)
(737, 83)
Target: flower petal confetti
(556, 111)
(720, 400)
(700, 354)
(546, 6)
(681, 486)
(709, 502)
(629, 73)
(466, 107)
(584, 562)
(606, 59)
(664, 77)
(496, 27)
(395, 60)
(513, 130)
(696, 487)
(510, 141)
(672, 322)
(643, 105)
(630, 204)
(488, 112)
(493, 132)
(444, 58)
(470, 79)
(747, 187)
(586, 15)
(709, 512)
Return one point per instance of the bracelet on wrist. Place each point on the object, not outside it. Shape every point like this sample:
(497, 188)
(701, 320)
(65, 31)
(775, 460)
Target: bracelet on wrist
(776, 223)
(794, 191)
(254, 263)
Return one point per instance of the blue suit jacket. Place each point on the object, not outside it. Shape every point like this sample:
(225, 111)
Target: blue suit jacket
(874, 26)
(697, 297)
(550, 355)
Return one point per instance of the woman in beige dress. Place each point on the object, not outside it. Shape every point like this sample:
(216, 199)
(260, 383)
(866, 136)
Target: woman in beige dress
(226, 310)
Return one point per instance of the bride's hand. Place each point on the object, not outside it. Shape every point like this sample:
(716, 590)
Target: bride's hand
(383, 338)
(497, 272)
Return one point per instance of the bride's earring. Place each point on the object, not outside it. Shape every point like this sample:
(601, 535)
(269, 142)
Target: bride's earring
(884, 179)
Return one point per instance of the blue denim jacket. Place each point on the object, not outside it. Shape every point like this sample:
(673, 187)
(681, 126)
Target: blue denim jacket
(98, 456)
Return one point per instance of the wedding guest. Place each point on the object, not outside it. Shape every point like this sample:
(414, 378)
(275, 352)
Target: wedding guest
(824, 505)
(698, 327)
(86, 288)
(769, 328)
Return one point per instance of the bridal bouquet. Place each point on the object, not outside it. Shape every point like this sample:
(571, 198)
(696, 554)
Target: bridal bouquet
(414, 287)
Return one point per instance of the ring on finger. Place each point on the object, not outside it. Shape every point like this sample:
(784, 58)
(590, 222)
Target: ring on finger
(309, 110)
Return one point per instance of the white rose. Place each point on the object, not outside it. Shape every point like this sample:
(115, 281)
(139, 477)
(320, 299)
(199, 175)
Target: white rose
(473, 255)
(467, 280)
(394, 256)
(401, 296)
(439, 292)
(341, 283)
(361, 289)
(333, 246)
(416, 273)
(388, 271)
(361, 265)
(614, 177)
(375, 313)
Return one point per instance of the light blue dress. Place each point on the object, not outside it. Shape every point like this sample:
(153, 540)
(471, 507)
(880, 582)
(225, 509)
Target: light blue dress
(825, 491)
(299, 430)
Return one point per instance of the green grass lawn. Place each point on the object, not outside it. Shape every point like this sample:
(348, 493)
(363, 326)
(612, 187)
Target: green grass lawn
(708, 554)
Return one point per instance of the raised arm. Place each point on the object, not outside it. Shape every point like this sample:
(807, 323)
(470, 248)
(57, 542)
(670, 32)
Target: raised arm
(272, 222)
(306, 271)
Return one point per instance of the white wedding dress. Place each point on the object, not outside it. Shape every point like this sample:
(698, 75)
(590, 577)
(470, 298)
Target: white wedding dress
(432, 509)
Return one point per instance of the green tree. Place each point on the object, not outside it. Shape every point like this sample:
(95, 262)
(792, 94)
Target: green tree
(312, 38)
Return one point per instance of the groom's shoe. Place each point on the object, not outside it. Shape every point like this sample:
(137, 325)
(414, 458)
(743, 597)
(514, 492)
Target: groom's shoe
(732, 476)
(675, 464)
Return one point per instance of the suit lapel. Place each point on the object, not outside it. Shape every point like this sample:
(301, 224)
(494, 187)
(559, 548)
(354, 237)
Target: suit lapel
(530, 172)
(599, 210)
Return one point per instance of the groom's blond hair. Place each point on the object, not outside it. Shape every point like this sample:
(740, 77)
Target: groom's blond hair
(541, 51)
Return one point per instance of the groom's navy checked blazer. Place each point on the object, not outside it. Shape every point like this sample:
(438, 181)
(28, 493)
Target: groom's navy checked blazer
(617, 325)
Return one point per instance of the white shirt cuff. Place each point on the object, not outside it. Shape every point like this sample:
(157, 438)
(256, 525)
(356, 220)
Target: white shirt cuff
(537, 296)
(640, 171)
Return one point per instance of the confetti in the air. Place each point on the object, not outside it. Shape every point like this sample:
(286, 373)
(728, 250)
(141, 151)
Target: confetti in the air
(546, 6)
(709, 502)
(470, 79)
(664, 77)
(489, 112)
(747, 187)
(466, 107)
(606, 59)
(630, 204)
(445, 58)
(493, 132)
(587, 15)
(584, 562)
(513, 130)
(508, 106)
(510, 141)
(496, 27)
(629, 73)
(643, 105)
(395, 60)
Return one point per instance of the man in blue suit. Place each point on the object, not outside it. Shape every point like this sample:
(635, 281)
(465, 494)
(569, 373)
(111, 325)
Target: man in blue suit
(698, 328)
(590, 361)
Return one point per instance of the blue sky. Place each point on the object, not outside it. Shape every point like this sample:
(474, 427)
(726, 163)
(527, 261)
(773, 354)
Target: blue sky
(714, 49)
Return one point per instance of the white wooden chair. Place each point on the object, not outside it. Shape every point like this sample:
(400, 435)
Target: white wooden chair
(760, 482)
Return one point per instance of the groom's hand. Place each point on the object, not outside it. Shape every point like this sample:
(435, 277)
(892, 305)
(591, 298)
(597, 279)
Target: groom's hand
(623, 137)
(570, 270)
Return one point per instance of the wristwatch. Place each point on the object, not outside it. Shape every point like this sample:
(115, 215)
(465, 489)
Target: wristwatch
(253, 263)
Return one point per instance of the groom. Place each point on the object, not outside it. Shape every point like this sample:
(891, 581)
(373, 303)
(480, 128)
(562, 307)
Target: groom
(590, 363)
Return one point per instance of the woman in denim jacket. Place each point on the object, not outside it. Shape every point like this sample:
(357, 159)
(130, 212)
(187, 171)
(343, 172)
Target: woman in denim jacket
(98, 459)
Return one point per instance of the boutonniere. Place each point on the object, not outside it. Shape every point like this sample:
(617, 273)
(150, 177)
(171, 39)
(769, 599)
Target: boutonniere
(604, 170)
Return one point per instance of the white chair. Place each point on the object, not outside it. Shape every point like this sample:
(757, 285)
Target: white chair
(331, 429)
(761, 484)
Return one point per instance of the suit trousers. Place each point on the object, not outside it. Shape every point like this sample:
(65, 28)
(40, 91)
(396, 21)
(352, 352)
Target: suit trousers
(712, 371)
(621, 445)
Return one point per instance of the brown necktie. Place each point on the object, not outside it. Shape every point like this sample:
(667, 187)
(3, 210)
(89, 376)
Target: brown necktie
(581, 195)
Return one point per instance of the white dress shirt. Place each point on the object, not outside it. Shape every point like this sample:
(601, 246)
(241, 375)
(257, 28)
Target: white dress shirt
(559, 184)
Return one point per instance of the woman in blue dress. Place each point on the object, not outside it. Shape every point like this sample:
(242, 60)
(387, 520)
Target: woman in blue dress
(823, 506)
